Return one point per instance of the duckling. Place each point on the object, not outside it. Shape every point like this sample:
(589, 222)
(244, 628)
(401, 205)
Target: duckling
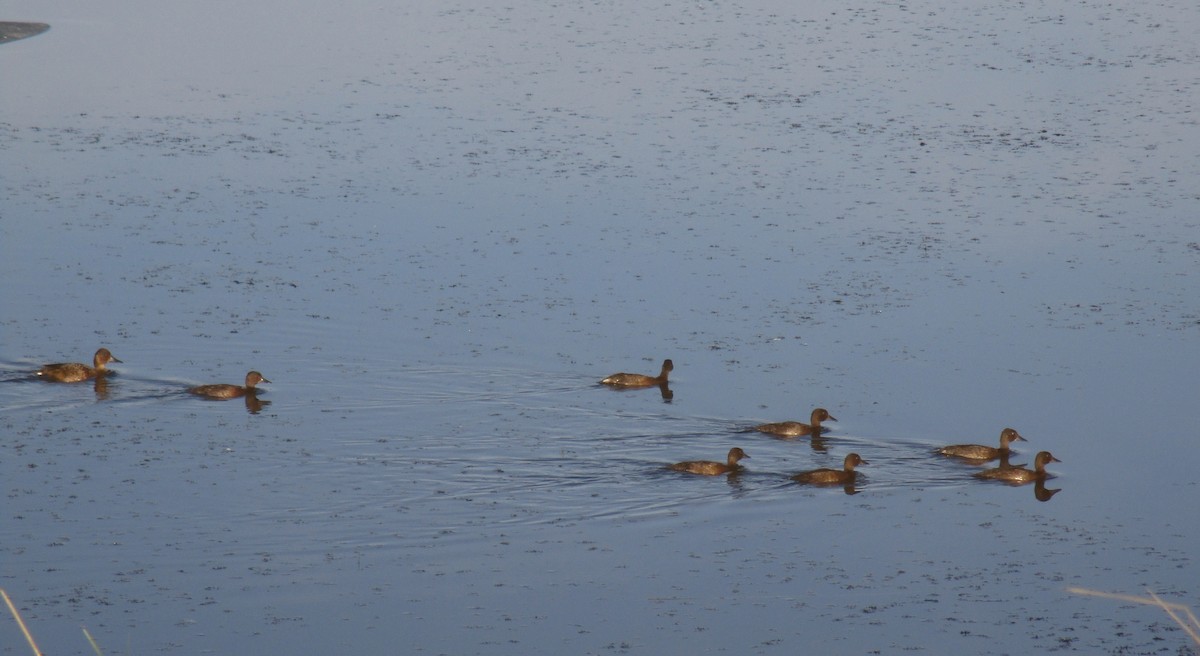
(74, 372)
(797, 429)
(840, 476)
(223, 391)
(640, 380)
(1021, 474)
(711, 468)
(981, 452)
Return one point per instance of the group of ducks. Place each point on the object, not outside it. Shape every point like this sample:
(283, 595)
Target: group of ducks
(77, 372)
(74, 372)
(847, 475)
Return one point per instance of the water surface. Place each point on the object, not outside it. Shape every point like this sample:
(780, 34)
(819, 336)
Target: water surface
(436, 228)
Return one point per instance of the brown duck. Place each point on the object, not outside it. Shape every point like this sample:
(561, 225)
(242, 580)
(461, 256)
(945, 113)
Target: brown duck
(711, 468)
(640, 380)
(840, 476)
(797, 429)
(223, 391)
(1021, 474)
(981, 452)
(74, 372)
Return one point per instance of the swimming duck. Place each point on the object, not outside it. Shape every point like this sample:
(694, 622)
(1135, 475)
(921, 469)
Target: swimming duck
(711, 468)
(640, 380)
(1020, 474)
(223, 391)
(981, 452)
(844, 475)
(73, 372)
(797, 429)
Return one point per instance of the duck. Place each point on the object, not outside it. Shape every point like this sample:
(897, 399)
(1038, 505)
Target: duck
(1020, 474)
(74, 372)
(981, 452)
(797, 429)
(841, 476)
(711, 468)
(640, 380)
(222, 391)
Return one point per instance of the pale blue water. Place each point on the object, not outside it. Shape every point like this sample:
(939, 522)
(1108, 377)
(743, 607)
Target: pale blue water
(435, 228)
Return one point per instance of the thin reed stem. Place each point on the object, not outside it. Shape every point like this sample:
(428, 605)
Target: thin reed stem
(21, 623)
(1191, 627)
(92, 641)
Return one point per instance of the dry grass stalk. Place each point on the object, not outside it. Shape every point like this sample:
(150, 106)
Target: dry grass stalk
(21, 623)
(1191, 626)
(92, 641)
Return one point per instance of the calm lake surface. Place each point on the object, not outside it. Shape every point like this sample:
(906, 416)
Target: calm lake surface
(435, 227)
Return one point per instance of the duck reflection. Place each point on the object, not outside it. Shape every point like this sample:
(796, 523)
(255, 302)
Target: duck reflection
(254, 405)
(100, 386)
(1042, 493)
(663, 388)
(818, 443)
(666, 392)
(734, 478)
(1001, 458)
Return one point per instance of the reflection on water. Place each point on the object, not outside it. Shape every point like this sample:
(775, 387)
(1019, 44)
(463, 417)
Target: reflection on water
(437, 234)
(849, 487)
(254, 405)
(250, 399)
(100, 386)
(1041, 492)
(664, 390)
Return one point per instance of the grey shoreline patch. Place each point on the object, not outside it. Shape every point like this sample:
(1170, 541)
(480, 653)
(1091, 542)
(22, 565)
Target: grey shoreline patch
(12, 31)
